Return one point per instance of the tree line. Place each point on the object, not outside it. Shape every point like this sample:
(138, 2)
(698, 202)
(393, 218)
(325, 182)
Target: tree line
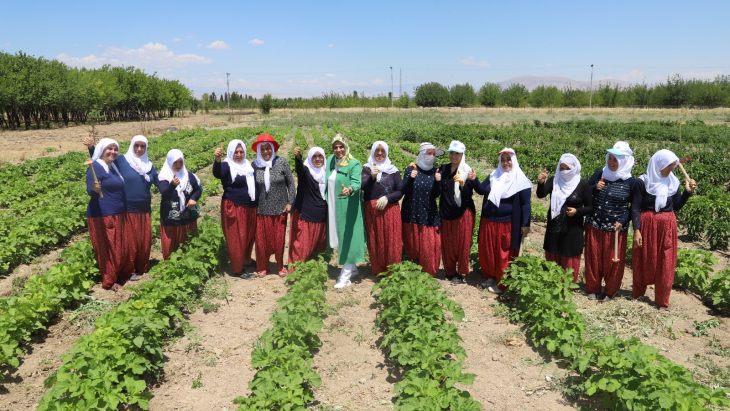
(676, 92)
(35, 92)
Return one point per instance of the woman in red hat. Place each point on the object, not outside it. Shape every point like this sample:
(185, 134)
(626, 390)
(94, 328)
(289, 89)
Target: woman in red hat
(276, 194)
(238, 205)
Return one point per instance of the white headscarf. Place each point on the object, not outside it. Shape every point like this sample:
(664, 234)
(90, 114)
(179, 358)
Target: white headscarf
(386, 167)
(507, 183)
(564, 183)
(243, 168)
(461, 171)
(623, 154)
(656, 185)
(422, 162)
(99, 150)
(316, 172)
(142, 165)
(166, 174)
(266, 165)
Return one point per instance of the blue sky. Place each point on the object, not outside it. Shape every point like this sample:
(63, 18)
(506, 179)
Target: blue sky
(304, 48)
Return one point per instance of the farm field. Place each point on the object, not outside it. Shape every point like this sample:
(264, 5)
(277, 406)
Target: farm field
(205, 363)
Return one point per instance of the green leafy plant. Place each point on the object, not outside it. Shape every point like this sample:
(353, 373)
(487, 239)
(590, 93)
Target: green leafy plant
(693, 269)
(704, 327)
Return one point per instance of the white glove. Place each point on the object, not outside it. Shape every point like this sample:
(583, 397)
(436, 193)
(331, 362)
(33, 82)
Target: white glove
(382, 202)
(374, 170)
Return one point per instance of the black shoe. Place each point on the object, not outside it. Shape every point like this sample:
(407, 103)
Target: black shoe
(603, 297)
(455, 279)
(248, 276)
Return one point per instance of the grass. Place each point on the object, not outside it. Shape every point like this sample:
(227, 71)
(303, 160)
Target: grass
(86, 314)
(623, 318)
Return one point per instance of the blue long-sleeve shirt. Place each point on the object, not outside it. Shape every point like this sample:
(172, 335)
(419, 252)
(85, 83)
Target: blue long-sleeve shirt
(641, 200)
(611, 204)
(113, 188)
(136, 187)
(390, 186)
(516, 209)
(236, 190)
(170, 213)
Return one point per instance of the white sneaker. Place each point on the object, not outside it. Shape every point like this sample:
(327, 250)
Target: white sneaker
(494, 289)
(591, 296)
(343, 284)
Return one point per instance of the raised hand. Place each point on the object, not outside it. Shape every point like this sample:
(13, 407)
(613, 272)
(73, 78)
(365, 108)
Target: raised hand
(472, 175)
(438, 174)
(374, 170)
(414, 173)
(346, 190)
(600, 185)
(218, 154)
(543, 176)
(175, 181)
(89, 141)
(298, 152)
(690, 185)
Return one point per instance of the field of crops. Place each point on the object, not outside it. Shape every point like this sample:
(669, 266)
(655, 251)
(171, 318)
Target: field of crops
(405, 343)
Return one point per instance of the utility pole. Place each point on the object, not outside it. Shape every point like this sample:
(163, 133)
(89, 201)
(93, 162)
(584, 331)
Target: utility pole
(590, 98)
(229, 90)
(400, 83)
(391, 86)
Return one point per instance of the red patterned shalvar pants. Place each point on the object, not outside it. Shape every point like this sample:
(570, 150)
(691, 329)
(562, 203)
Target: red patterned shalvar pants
(494, 249)
(239, 228)
(270, 237)
(655, 262)
(423, 244)
(566, 262)
(305, 238)
(107, 239)
(456, 244)
(171, 236)
(385, 235)
(599, 260)
(137, 242)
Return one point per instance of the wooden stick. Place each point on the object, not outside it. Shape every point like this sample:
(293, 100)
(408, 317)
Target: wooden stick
(615, 246)
(522, 243)
(90, 163)
(681, 167)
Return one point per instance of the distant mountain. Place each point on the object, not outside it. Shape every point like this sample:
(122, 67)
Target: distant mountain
(532, 82)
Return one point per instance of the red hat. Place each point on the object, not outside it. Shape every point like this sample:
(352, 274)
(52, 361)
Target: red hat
(264, 138)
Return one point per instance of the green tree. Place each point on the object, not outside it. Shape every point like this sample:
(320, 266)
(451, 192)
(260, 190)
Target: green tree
(515, 95)
(546, 96)
(490, 95)
(462, 95)
(432, 95)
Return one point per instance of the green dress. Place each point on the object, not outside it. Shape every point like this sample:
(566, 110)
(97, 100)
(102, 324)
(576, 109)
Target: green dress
(349, 211)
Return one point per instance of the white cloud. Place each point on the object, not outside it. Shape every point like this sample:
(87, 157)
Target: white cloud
(702, 74)
(330, 45)
(378, 81)
(177, 39)
(151, 55)
(200, 44)
(631, 76)
(256, 41)
(471, 61)
(330, 75)
(218, 45)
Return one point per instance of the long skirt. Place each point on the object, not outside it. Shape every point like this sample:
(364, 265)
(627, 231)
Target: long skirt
(239, 228)
(655, 262)
(494, 249)
(456, 247)
(566, 262)
(384, 230)
(305, 238)
(599, 260)
(137, 242)
(171, 236)
(270, 236)
(107, 239)
(423, 245)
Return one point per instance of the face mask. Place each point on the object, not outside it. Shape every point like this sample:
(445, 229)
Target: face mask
(429, 160)
(567, 176)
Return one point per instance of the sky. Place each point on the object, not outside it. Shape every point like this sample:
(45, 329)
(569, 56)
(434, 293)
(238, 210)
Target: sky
(306, 48)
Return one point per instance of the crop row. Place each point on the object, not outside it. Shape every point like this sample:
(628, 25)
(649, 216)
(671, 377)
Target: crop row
(629, 374)
(110, 366)
(694, 272)
(419, 339)
(283, 356)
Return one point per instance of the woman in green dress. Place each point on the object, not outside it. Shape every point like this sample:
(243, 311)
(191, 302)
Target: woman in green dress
(345, 229)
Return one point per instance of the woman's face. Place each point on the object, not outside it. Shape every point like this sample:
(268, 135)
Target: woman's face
(266, 151)
(379, 154)
(612, 162)
(318, 160)
(564, 167)
(668, 169)
(239, 155)
(506, 160)
(178, 165)
(110, 153)
(431, 152)
(455, 157)
(139, 148)
(339, 150)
